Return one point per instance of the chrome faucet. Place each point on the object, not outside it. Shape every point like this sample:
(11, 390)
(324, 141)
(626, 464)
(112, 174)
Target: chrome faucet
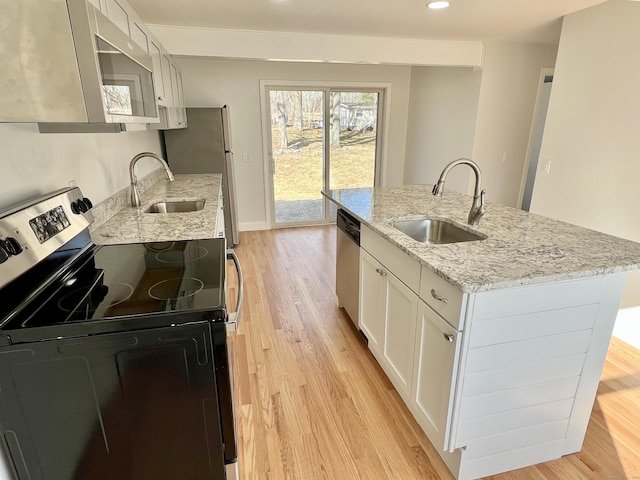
(477, 207)
(135, 195)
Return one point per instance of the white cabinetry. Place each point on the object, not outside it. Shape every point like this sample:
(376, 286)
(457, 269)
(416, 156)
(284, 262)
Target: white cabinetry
(177, 117)
(436, 360)
(71, 96)
(372, 286)
(388, 320)
(498, 380)
(389, 307)
(118, 13)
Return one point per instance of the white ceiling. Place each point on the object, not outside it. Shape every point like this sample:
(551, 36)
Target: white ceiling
(536, 21)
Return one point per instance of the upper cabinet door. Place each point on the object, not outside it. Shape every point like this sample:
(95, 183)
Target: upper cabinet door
(118, 15)
(158, 75)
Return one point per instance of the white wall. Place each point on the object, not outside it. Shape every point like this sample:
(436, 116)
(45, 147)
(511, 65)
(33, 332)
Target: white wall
(505, 112)
(213, 82)
(592, 132)
(442, 122)
(33, 163)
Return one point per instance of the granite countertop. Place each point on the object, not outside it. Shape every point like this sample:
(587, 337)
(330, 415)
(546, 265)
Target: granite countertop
(132, 225)
(520, 249)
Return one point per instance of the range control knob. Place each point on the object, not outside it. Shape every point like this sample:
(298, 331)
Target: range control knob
(12, 246)
(81, 205)
(4, 256)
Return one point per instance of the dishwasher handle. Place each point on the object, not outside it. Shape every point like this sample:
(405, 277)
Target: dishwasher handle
(348, 225)
(235, 316)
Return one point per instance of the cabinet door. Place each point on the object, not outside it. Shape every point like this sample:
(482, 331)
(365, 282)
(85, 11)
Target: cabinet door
(435, 371)
(372, 301)
(399, 334)
(118, 14)
(166, 79)
(158, 79)
(178, 115)
(182, 111)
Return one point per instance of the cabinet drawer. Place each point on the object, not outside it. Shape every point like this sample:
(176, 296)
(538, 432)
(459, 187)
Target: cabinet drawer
(404, 267)
(443, 297)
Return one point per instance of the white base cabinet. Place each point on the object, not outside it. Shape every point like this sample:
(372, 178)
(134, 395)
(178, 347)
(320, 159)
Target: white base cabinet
(498, 380)
(389, 322)
(437, 346)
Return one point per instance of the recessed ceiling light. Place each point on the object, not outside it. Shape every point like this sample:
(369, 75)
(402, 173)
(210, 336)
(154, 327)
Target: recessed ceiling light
(437, 5)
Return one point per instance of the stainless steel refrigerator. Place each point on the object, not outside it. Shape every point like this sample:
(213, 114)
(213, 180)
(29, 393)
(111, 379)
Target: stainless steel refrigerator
(205, 147)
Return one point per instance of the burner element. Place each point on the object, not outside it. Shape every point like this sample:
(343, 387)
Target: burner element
(174, 256)
(175, 288)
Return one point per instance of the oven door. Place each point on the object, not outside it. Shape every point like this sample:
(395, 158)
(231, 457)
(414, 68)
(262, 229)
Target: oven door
(136, 404)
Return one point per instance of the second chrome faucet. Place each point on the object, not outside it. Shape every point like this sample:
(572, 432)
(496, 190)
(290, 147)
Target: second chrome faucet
(477, 207)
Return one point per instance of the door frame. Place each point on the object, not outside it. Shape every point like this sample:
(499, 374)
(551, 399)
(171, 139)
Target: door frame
(381, 140)
(538, 109)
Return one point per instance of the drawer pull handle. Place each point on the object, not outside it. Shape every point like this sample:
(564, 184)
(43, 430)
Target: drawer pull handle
(435, 295)
(381, 272)
(448, 337)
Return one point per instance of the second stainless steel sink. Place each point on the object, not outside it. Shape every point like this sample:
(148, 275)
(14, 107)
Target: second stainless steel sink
(176, 206)
(436, 231)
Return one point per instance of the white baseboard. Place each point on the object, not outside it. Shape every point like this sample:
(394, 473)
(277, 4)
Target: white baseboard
(253, 226)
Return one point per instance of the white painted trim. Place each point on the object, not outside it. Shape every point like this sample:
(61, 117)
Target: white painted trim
(313, 47)
(266, 138)
(253, 226)
(544, 72)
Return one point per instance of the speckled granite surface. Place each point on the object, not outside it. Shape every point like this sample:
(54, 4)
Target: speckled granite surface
(132, 225)
(103, 211)
(520, 249)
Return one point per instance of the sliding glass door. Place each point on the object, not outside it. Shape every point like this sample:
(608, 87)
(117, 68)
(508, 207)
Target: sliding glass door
(320, 138)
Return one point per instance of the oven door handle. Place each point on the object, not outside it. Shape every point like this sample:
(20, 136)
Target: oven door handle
(235, 316)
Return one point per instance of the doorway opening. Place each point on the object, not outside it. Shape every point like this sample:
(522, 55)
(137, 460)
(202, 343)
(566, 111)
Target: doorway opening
(535, 139)
(320, 139)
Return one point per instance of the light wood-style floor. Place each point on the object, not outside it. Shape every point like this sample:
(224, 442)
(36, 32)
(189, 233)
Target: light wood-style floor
(312, 403)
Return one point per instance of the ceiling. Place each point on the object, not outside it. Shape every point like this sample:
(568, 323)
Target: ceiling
(534, 21)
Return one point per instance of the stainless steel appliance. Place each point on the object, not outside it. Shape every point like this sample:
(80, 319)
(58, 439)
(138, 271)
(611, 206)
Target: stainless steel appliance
(348, 263)
(113, 360)
(205, 147)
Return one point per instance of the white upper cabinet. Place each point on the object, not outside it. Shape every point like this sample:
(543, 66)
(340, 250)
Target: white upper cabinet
(118, 14)
(85, 62)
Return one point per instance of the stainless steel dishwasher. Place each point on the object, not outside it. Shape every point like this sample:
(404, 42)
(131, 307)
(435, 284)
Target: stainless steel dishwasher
(348, 264)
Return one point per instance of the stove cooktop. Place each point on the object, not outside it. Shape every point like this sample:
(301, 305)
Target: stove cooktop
(126, 281)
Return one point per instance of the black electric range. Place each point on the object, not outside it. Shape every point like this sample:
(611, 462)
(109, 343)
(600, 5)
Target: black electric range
(117, 287)
(113, 359)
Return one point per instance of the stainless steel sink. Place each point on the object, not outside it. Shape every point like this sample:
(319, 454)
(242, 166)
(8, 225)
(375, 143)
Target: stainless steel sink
(176, 206)
(436, 231)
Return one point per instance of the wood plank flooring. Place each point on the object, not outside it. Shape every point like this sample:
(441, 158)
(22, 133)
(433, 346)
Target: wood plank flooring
(312, 403)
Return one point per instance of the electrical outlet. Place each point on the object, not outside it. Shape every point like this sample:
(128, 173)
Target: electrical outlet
(246, 157)
(546, 166)
(72, 183)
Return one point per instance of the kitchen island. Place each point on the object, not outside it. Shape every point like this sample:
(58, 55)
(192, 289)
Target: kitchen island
(495, 345)
(134, 225)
